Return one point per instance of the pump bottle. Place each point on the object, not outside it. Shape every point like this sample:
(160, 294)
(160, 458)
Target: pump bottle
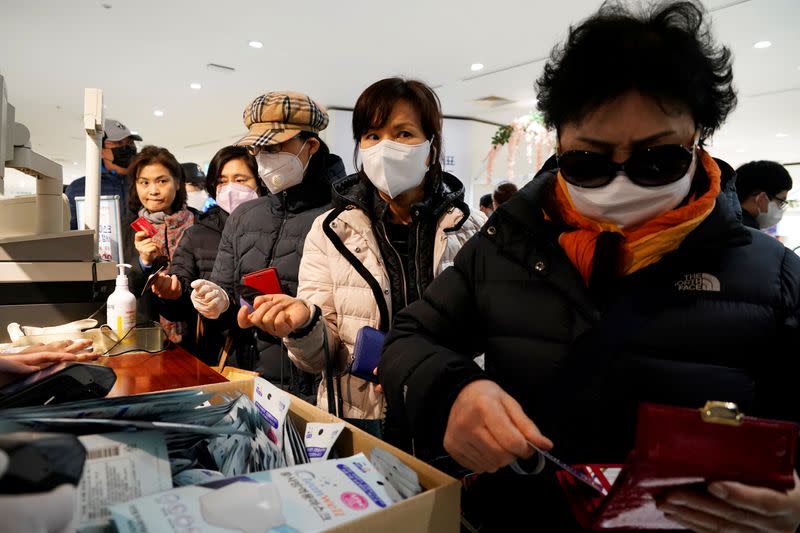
(121, 305)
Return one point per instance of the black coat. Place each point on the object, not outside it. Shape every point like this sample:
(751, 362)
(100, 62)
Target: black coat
(710, 321)
(194, 259)
(270, 232)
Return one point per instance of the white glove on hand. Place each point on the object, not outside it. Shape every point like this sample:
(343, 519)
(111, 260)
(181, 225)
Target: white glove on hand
(209, 299)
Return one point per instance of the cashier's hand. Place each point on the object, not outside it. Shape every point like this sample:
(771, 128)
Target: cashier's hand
(730, 506)
(148, 251)
(34, 358)
(167, 287)
(488, 429)
(276, 314)
(209, 299)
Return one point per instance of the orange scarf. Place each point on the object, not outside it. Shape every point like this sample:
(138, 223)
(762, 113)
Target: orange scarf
(642, 246)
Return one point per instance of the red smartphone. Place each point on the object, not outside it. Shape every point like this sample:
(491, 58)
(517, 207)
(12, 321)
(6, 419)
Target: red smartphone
(142, 224)
(265, 281)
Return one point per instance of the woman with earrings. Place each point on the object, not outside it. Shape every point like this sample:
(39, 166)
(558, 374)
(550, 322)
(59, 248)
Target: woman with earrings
(396, 224)
(297, 168)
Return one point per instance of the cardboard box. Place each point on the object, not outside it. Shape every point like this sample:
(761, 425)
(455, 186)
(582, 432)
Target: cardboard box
(437, 509)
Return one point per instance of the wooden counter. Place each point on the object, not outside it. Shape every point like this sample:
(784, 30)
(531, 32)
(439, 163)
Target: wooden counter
(171, 369)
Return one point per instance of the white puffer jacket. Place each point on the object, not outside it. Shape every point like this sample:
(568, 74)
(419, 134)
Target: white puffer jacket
(329, 281)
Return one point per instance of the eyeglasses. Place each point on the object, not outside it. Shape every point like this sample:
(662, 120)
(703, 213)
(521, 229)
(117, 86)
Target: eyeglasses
(650, 167)
(782, 204)
(271, 149)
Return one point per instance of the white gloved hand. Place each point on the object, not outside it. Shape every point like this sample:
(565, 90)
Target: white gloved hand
(209, 299)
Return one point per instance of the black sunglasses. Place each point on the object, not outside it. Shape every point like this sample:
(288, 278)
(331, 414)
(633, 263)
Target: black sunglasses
(650, 167)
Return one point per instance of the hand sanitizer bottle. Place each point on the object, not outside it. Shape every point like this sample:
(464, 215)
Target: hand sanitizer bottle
(121, 305)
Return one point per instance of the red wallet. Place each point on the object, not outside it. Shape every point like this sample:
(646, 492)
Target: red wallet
(676, 447)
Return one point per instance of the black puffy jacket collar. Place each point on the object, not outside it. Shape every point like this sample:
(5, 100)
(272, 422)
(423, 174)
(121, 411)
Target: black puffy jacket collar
(440, 195)
(213, 219)
(314, 191)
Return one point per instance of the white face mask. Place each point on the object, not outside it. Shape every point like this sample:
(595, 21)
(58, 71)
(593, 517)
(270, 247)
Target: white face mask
(232, 195)
(626, 204)
(771, 218)
(196, 200)
(281, 170)
(393, 167)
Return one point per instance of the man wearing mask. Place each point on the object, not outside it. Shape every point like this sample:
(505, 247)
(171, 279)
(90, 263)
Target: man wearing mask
(762, 187)
(486, 205)
(196, 195)
(118, 150)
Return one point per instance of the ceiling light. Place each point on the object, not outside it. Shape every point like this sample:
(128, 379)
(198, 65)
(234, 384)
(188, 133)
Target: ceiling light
(196, 86)
(781, 135)
(475, 67)
(255, 44)
(134, 133)
(74, 162)
(158, 113)
(762, 44)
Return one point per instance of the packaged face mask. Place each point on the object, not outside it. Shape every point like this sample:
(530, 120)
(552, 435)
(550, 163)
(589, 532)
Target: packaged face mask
(243, 506)
(320, 438)
(312, 497)
(273, 405)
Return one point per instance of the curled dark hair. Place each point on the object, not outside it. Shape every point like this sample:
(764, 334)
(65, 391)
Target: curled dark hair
(155, 155)
(375, 104)
(666, 53)
(222, 158)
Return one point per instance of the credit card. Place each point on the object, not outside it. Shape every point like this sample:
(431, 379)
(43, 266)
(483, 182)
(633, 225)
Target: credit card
(577, 474)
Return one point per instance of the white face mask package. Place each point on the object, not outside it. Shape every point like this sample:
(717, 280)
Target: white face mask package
(320, 438)
(312, 497)
(273, 405)
(401, 477)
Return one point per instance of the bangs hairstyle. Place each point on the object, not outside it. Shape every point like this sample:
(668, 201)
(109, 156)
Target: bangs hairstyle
(155, 155)
(222, 158)
(376, 103)
(665, 52)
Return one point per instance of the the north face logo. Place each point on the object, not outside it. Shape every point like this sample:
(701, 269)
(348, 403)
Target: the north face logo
(698, 282)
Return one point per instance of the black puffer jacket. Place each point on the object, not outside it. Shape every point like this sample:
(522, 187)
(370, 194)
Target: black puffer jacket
(271, 231)
(712, 320)
(194, 259)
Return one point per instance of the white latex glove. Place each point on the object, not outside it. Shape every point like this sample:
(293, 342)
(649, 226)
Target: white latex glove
(209, 299)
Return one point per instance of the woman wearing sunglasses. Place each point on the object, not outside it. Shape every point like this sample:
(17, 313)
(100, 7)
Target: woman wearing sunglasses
(621, 274)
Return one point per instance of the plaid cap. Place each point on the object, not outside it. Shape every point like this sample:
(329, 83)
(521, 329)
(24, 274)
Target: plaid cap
(276, 117)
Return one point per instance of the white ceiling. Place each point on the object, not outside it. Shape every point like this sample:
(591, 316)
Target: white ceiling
(145, 53)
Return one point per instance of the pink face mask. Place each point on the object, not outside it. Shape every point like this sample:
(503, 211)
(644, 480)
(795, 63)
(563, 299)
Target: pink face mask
(232, 195)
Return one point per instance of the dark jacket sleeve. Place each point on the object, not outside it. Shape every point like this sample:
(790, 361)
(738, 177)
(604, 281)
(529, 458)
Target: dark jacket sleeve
(224, 272)
(428, 354)
(184, 266)
(72, 192)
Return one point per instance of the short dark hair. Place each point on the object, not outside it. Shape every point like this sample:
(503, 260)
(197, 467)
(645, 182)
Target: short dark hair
(666, 52)
(222, 158)
(762, 176)
(486, 200)
(504, 192)
(155, 155)
(375, 104)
